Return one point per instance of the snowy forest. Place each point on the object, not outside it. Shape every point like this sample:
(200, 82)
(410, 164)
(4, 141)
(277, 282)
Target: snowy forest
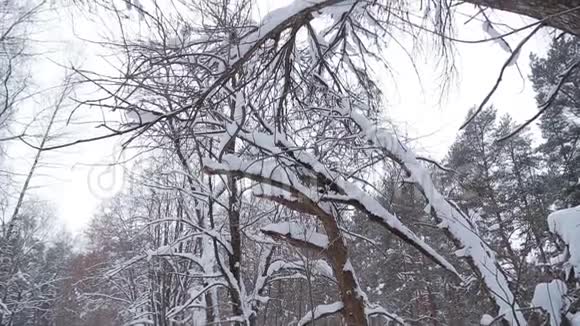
(264, 180)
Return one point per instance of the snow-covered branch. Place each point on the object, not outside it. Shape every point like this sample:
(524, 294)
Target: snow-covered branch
(451, 219)
(297, 234)
(346, 192)
(319, 312)
(565, 224)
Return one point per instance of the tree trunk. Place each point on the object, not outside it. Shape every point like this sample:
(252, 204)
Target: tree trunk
(235, 258)
(14, 219)
(561, 14)
(353, 313)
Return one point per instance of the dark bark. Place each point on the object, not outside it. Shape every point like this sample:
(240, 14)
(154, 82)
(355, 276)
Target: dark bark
(235, 258)
(337, 254)
(560, 14)
(353, 312)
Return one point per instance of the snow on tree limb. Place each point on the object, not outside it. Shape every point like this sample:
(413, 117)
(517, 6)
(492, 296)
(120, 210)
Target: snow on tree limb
(178, 309)
(320, 311)
(297, 13)
(318, 267)
(274, 173)
(451, 219)
(270, 173)
(551, 298)
(566, 224)
(325, 310)
(284, 198)
(380, 311)
(298, 234)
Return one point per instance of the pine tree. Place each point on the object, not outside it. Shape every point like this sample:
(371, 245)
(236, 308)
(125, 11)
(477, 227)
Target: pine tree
(476, 159)
(560, 125)
(504, 182)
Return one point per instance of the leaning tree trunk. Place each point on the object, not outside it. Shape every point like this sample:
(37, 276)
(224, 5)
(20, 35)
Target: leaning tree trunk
(561, 14)
(14, 220)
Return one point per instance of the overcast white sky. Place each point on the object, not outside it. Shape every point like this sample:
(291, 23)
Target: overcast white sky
(71, 179)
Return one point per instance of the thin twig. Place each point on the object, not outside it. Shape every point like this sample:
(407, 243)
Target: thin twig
(500, 77)
(554, 92)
